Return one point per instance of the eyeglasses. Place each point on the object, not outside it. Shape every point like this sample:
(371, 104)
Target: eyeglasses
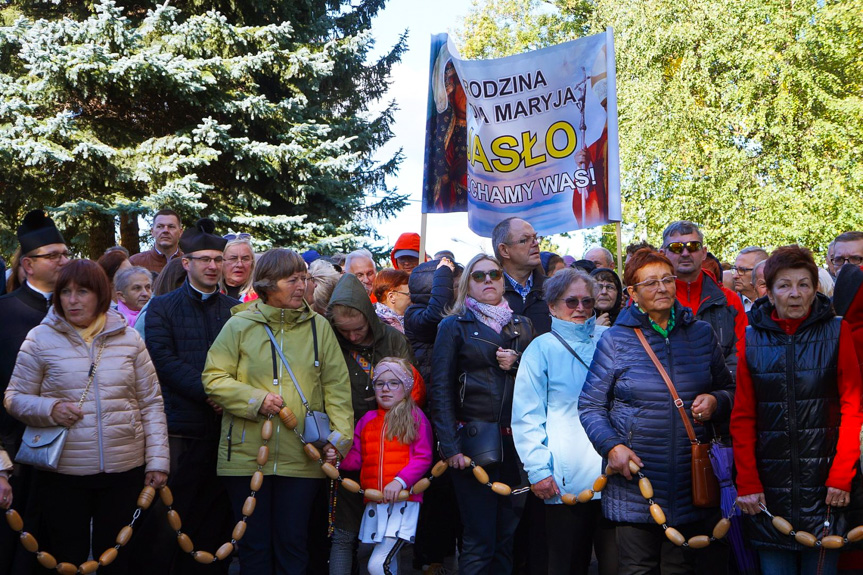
(740, 270)
(601, 287)
(653, 285)
(235, 260)
(388, 384)
(853, 260)
(206, 260)
(53, 256)
(678, 247)
(407, 293)
(232, 237)
(530, 240)
(493, 275)
(573, 302)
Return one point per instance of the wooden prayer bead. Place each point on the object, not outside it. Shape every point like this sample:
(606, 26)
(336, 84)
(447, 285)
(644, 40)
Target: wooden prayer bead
(108, 556)
(66, 569)
(855, 534)
(88, 567)
(263, 455)
(645, 487)
(351, 485)
(267, 430)
(782, 525)
(166, 496)
(675, 536)
(805, 538)
(288, 418)
(439, 468)
(421, 485)
(373, 495)
(600, 483)
(29, 542)
(833, 542)
(239, 531)
(146, 497)
(257, 481)
(501, 488)
(47, 560)
(585, 496)
(633, 467)
(312, 452)
(185, 543)
(124, 535)
(569, 498)
(174, 520)
(609, 471)
(467, 460)
(203, 557)
(249, 506)
(480, 474)
(699, 541)
(657, 513)
(225, 551)
(404, 495)
(330, 471)
(14, 520)
(721, 529)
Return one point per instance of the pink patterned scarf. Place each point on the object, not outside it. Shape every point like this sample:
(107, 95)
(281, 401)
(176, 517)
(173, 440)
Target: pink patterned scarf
(494, 316)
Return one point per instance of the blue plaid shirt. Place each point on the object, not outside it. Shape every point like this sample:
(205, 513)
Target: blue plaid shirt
(522, 290)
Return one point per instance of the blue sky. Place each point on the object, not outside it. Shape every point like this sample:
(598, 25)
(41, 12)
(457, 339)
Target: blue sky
(410, 89)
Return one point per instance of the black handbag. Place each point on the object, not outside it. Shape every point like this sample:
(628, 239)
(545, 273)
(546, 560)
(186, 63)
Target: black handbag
(480, 440)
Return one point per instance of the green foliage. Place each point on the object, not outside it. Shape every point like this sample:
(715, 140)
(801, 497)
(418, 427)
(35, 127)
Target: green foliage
(257, 117)
(743, 116)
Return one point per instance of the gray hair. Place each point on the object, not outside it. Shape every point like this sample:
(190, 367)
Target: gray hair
(500, 235)
(123, 278)
(238, 242)
(555, 286)
(681, 228)
(848, 237)
(274, 265)
(755, 269)
(326, 277)
(356, 255)
(606, 252)
(755, 250)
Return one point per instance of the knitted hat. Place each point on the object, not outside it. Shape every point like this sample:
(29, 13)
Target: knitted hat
(37, 230)
(201, 237)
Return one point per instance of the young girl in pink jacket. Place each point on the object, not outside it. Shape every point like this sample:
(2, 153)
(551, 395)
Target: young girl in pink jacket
(393, 450)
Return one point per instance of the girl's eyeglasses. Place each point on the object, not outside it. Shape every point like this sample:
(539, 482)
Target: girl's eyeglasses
(388, 384)
(493, 275)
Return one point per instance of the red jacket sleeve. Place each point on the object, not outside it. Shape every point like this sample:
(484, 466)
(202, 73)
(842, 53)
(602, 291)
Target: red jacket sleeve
(850, 387)
(743, 432)
(740, 323)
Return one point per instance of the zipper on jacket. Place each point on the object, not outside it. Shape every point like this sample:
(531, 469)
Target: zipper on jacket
(281, 343)
(381, 457)
(792, 431)
(230, 432)
(673, 475)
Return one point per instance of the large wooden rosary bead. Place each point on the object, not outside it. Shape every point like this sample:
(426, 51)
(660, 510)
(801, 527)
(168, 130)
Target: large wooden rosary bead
(657, 513)
(47, 560)
(108, 556)
(439, 468)
(257, 481)
(124, 535)
(645, 487)
(585, 496)
(288, 418)
(351, 485)
(14, 520)
(805, 538)
(480, 474)
(185, 543)
(225, 551)
(88, 567)
(203, 557)
(174, 520)
(421, 485)
(263, 455)
(833, 542)
(330, 470)
(600, 483)
(699, 541)
(29, 542)
(373, 495)
(855, 534)
(66, 569)
(166, 496)
(146, 497)
(267, 430)
(249, 506)
(239, 531)
(312, 452)
(782, 525)
(721, 529)
(675, 536)
(501, 488)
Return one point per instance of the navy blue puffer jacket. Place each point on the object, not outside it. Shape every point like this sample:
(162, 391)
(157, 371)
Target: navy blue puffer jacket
(625, 401)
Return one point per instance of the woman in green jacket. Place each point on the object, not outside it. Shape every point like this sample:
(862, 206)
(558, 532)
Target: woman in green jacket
(239, 377)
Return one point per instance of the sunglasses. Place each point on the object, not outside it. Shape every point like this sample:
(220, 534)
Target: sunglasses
(493, 275)
(573, 302)
(242, 236)
(678, 247)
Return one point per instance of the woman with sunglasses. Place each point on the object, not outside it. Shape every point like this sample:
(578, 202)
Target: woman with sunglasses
(550, 440)
(475, 358)
(626, 409)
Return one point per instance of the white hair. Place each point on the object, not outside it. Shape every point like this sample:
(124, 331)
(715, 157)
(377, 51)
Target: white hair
(359, 254)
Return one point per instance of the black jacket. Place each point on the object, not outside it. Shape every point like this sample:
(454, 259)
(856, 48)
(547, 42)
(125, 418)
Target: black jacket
(432, 291)
(794, 378)
(715, 310)
(20, 311)
(180, 327)
(467, 383)
(533, 307)
(625, 401)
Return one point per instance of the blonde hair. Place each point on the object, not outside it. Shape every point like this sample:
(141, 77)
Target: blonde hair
(400, 421)
(458, 307)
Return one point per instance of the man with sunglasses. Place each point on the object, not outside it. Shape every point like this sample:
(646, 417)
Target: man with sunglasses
(44, 253)
(745, 263)
(516, 247)
(683, 244)
(166, 233)
(180, 327)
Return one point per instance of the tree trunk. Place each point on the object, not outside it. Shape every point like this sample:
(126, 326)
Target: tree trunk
(101, 235)
(129, 232)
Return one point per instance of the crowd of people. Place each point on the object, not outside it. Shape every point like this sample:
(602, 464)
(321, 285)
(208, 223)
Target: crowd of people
(167, 367)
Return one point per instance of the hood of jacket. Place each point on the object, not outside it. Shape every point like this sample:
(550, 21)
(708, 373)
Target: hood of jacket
(351, 293)
(632, 316)
(421, 280)
(406, 241)
(115, 323)
(572, 331)
(258, 311)
(615, 311)
(762, 310)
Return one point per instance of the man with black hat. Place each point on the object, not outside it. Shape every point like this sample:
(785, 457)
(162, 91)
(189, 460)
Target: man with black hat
(180, 328)
(44, 254)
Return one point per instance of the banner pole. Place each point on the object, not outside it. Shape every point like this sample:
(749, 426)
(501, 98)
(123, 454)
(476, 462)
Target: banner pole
(423, 237)
(619, 247)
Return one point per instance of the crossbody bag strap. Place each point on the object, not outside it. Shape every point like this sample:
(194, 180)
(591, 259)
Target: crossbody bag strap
(677, 401)
(91, 374)
(569, 349)
(278, 350)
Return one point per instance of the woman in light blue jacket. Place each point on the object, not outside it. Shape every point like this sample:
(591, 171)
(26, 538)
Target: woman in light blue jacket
(549, 438)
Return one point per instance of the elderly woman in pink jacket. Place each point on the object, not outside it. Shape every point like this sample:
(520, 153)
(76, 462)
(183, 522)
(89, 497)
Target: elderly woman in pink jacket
(84, 368)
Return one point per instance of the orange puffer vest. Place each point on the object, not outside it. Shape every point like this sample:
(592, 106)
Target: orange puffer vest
(382, 459)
